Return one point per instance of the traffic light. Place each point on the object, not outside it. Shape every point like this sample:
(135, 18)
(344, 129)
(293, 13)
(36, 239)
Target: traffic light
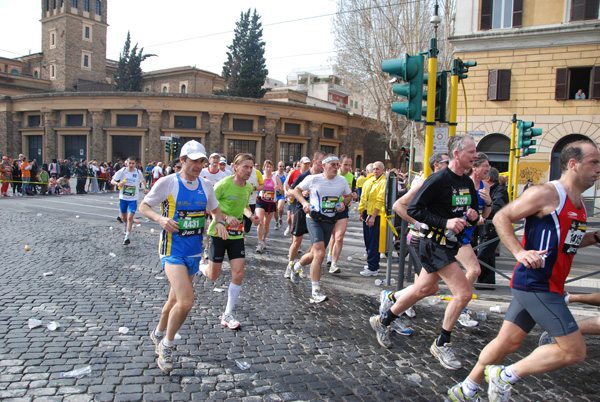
(168, 147)
(410, 70)
(463, 68)
(526, 133)
(441, 96)
(175, 146)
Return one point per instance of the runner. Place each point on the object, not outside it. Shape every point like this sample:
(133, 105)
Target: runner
(266, 204)
(232, 193)
(337, 237)
(224, 166)
(257, 182)
(157, 172)
(128, 180)
(441, 204)
(184, 199)
(302, 166)
(280, 194)
(299, 223)
(325, 190)
(212, 173)
(555, 225)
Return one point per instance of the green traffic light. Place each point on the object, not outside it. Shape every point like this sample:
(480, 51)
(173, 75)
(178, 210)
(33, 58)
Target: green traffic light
(410, 70)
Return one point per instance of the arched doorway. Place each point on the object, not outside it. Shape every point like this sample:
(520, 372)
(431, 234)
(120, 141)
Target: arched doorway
(497, 147)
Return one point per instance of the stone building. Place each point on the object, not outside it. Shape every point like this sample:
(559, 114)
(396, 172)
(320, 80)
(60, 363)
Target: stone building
(533, 56)
(59, 104)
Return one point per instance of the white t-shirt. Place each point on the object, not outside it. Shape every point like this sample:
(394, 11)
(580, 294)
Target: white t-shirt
(169, 185)
(325, 193)
(157, 172)
(254, 181)
(213, 178)
(130, 190)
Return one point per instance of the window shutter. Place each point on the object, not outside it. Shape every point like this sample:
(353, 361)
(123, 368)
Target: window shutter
(577, 10)
(492, 85)
(595, 83)
(584, 10)
(486, 15)
(591, 10)
(561, 84)
(517, 21)
(503, 84)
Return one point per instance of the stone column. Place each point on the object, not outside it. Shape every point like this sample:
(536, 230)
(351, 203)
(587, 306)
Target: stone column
(214, 140)
(15, 147)
(314, 132)
(97, 142)
(344, 147)
(153, 144)
(50, 137)
(270, 140)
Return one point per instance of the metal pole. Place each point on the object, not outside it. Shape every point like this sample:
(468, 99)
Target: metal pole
(402, 252)
(511, 158)
(453, 97)
(412, 150)
(431, 87)
(391, 195)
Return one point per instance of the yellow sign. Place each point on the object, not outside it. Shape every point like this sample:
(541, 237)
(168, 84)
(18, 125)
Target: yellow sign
(538, 171)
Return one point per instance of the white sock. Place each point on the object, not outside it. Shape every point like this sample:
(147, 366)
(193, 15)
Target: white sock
(159, 333)
(469, 387)
(400, 292)
(127, 235)
(509, 375)
(168, 343)
(232, 293)
(315, 286)
(298, 267)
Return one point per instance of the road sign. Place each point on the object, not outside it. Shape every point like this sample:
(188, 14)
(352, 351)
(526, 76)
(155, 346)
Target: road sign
(165, 138)
(440, 139)
(174, 135)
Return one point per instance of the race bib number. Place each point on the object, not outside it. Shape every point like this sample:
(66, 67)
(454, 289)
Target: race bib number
(129, 190)
(191, 223)
(268, 195)
(461, 198)
(328, 204)
(236, 231)
(574, 237)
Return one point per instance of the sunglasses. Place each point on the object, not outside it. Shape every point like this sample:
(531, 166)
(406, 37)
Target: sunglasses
(177, 167)
(445, 161)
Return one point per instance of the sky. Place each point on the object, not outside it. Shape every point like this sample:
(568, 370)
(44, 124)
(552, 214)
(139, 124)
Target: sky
(192, 32)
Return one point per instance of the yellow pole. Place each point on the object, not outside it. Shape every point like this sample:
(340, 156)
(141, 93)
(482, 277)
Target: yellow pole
(511, 160)
(453, 98)
(431, 87)
(516, 178)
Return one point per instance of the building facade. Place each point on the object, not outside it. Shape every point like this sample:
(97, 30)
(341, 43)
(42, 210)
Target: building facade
(59, 104)
(533, 56)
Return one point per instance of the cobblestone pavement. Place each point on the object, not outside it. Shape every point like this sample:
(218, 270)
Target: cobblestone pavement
(297, 351)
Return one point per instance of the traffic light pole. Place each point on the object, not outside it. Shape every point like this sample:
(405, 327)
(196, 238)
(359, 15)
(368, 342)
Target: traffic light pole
(511, 160)
(431, 84)
(453, 97)
(515, 178)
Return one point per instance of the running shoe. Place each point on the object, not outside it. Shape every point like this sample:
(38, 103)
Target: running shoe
(126, 242)
(456, 394)
(465, 319)
(165, 357)
(120, 219)
(259, 247)
(295, 275)
(287, 231)
(277, 225)
(334, 269)
(383, 332)
(498, 389)
(399, 327)
(155, 340)
(546, 339)
(445, 355)
(384, 301)
(228, 321)
(368, 272)
(288, 269)
(410, 312)
(318, 296)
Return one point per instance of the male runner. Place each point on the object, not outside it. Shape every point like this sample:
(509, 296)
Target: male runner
(555, 226)
(325, 190)
(441, 203)
(299, 229)
(184, 199)
(128, 180)
(302, 166)
(280, 196)
(212, 173)
(337, 237)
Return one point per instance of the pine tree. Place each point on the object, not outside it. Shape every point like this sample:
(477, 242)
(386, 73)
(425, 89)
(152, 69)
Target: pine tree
(245, 69)
(129, 71)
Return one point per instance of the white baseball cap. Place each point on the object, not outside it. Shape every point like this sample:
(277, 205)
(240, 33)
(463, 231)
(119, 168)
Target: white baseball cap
(222, 160)
(193, 150)
(215, 154)
(305, 159)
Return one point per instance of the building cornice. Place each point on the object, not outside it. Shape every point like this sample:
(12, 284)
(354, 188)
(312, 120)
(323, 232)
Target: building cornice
(528, 38)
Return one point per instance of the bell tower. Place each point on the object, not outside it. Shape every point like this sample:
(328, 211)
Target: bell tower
(73, 42)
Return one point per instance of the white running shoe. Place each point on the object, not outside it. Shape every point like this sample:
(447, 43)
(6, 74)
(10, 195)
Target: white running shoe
(227, 320)
(368, 272)
(465, 319)
(287, 231)
(334, 269)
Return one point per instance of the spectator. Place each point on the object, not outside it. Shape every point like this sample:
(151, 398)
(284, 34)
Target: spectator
(371, 203)
(53, 183)
(25, 176)
(16, 177)
(81, 172)
(54, 168)
(44, 179)
(94, 172)
(5, 175)
(580, 94)
(64, 185)
(528, 185)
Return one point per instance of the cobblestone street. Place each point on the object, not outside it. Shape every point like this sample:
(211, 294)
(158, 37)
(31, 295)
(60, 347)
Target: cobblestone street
(296, 350)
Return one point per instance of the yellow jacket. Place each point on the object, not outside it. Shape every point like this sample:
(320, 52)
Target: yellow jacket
(361, 180)
(373, 195)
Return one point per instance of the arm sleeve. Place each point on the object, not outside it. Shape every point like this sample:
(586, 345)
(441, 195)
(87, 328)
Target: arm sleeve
(210, 192)
(380, 200)
(306, 182)
(418, 207)
(159, 192)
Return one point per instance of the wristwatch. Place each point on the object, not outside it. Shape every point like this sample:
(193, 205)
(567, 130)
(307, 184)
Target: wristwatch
(596, 237)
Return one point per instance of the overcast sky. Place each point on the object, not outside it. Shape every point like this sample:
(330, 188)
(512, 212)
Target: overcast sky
(192, 32)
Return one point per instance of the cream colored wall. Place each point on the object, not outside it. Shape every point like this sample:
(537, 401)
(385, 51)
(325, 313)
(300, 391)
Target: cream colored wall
(543, 12)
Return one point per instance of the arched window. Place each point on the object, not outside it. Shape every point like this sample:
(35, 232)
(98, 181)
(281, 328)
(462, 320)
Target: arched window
(165, 89)
(98, 7)
(497, 147)
(183, 89)
(14, 72)
(558, 147)
(36, 74)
